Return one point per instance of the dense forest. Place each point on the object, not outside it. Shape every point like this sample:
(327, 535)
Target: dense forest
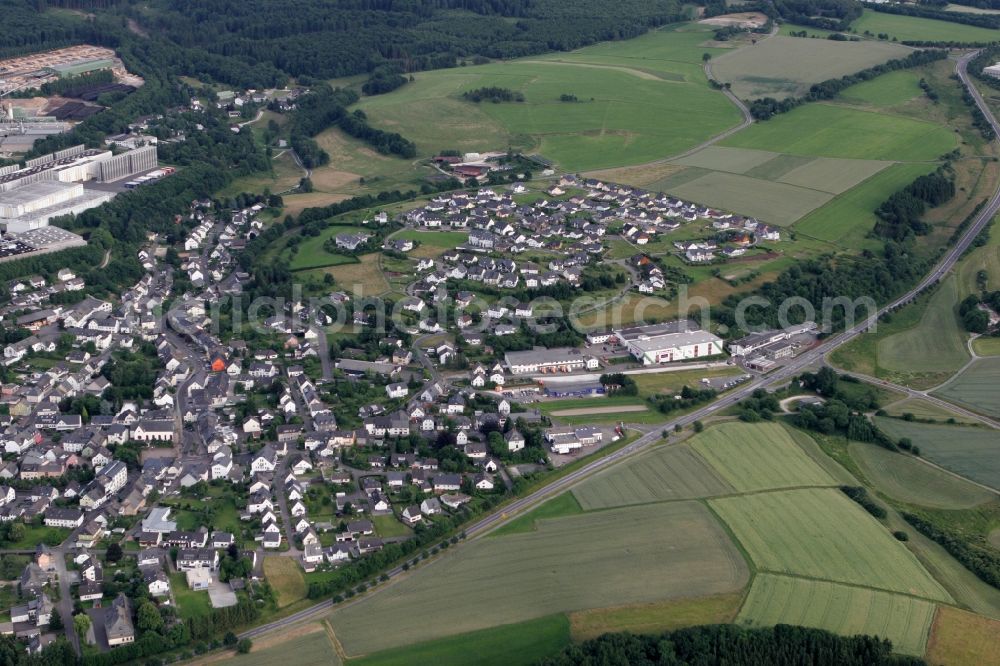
(330, 38)
(732, 646)
(876, 274)
(900, 216)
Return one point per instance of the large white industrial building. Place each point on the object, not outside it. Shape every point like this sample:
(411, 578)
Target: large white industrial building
(544, 361)
(52, 185)
(664, 343)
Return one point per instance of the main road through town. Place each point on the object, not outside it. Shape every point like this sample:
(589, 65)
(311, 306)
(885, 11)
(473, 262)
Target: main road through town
(796, 366)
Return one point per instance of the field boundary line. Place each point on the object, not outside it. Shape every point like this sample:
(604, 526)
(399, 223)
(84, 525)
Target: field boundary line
(332, 635)
(870, 588)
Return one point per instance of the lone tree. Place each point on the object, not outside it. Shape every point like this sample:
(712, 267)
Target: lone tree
(705, 57)
(244, 645)
(81, 624)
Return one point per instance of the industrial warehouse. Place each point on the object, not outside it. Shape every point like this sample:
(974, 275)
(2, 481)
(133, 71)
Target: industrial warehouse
(53, 185)
(672, 341)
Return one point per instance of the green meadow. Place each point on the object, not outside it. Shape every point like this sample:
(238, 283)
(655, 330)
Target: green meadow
(912, 28)
(625, 90)
(828, 130)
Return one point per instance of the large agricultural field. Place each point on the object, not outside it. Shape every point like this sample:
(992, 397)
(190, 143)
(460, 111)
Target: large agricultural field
(662, 474)
(519, 577)
(842, 609)
(959, 638)
(975, 387)
(827, 130)
(817, 558)
(907, 479)
(847, 219)
(973, 452)
(820, 533)
(782, 66)
(761, 456)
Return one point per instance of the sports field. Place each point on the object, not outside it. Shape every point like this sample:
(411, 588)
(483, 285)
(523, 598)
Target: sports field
(828, 130)
(907, 479)
(972, 452)
(920, 29)
(444, 239)
(820, 533)
(976, 387)
(614, 554)
(760, 456)
(935, 345)
(849, 217)
(960, 638)
(841, 609)
(625, 90)
(782, 66)
(661, 474)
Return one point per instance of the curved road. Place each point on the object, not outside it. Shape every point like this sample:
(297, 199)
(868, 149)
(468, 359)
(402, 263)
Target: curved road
(796, 366)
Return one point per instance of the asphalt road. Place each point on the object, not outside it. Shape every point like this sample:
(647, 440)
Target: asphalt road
(795, 367)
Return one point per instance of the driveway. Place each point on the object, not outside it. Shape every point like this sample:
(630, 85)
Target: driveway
(220, 594)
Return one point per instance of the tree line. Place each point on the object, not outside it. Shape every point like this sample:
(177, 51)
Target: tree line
(991, 21)
(977, 558)
(493, 94)
(767, 107)
(734, 646)
(325, 107)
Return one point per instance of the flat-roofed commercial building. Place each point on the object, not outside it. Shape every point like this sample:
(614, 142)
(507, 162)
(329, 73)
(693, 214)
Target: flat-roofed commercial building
(543, 361)
(660, 343)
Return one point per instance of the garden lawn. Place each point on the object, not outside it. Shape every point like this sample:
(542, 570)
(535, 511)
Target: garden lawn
(190, 603)
(828, 130)
(521, 643)
(972, 452)
(760, 456)
(518, 577)
(820, 533)
(841, 609)
(661, 474)
(389, 526)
